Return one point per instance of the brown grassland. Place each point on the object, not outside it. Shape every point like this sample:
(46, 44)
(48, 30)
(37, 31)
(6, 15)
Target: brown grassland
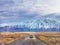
(52, 38)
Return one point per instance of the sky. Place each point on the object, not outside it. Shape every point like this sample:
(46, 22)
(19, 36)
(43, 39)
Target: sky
(22, 10)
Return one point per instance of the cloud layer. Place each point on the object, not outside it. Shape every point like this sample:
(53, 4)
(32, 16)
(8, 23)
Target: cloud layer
(17, 10)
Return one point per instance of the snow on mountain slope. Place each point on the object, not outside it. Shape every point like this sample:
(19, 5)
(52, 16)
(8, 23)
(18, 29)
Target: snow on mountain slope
(45, 23)
(48, 21)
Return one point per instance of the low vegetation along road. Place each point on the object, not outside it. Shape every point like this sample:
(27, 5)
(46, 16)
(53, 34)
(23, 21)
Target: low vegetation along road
(31, 40)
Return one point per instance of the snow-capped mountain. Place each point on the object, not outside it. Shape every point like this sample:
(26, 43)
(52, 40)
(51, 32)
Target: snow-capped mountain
(45, 23)
(42, 23)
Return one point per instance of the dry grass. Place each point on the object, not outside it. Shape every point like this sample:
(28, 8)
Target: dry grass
(7, 38)
(47, 37)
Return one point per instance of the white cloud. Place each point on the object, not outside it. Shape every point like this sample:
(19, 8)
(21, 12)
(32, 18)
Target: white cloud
(39, 6)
